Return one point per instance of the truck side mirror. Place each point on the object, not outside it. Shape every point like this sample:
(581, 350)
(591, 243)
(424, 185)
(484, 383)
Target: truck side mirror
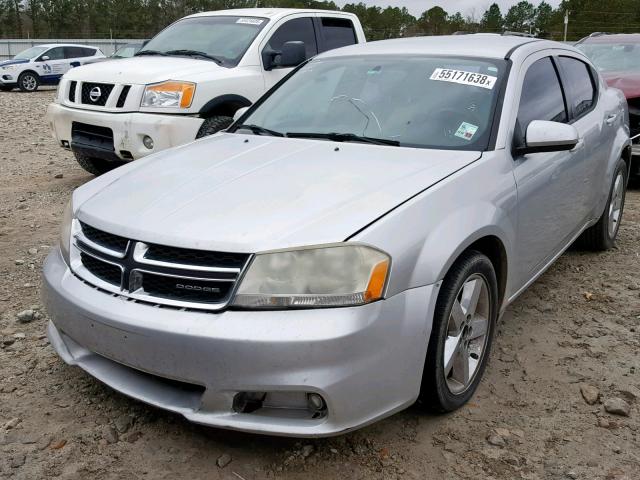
(292, 54)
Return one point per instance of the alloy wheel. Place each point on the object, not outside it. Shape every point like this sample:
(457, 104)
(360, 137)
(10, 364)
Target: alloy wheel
(615, 205)
(467, 334)
(29, 82)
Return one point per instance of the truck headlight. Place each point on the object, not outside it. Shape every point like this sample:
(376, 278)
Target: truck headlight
(334, 275)
(169, 94)
(65, 232)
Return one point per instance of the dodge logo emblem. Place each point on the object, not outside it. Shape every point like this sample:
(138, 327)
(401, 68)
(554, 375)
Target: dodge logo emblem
(94, 94)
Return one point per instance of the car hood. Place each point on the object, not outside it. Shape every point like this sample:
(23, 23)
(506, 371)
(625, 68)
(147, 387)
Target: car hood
(144, 70)
(13, 62)
(245, 193)
(629, 83)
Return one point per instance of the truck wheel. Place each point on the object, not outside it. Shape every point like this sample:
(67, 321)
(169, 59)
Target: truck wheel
(463, 325)
(96, 166)
(6, 88)
(602, 235)
(28, 81)
(213, 125)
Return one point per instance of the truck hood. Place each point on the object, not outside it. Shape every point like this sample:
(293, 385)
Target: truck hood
(629, 83)
(245, 193)
(144, 70)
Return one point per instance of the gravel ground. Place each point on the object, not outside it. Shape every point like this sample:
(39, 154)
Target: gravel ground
(565, 353)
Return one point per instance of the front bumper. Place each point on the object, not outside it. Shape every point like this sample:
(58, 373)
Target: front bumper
(7, 78)
(128, 129)
(366, 361)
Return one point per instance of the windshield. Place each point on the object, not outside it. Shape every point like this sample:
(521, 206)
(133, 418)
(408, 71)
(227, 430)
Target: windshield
(224, 38)
(414, 101)
(613, 57)
(127, 51)
(30, 53)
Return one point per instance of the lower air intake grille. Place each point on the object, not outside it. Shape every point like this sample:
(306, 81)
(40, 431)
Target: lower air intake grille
(103, 270)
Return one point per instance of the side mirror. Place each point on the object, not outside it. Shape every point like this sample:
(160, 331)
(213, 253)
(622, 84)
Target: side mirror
(241, 111)
(292, 54)
(44, 58)
(545, 136)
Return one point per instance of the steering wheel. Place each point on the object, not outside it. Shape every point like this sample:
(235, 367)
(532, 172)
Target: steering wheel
(449, 121)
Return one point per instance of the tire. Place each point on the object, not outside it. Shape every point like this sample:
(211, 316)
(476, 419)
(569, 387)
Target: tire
(213, 125)
(96, 166)
(602, 235)
(5, 88)
(28, 81)
(443, 389)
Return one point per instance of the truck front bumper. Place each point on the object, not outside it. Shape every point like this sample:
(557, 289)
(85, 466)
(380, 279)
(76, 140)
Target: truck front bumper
(365, 362)
(127, 129)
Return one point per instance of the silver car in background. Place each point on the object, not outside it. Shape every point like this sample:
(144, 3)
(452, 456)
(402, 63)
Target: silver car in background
(346, 248)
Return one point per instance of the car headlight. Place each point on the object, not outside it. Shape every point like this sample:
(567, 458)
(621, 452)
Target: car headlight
(9, 67)
(169, 94)
(327, 276)
(65, 232)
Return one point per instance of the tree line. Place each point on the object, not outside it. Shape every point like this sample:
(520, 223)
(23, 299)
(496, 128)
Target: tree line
(144, 18)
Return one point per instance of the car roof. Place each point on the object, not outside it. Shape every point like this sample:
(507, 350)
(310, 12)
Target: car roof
(486, 45)
(271, 13)
(49, 45)
(612, 38)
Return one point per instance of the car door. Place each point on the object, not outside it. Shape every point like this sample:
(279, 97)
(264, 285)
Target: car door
(580, 84)
(299, 28)
(550, 185)
(55, 64)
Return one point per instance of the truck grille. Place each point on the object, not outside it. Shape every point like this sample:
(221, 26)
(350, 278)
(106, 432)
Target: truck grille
(72, 91)
(162, 275)
(96, 93)
(123, 96)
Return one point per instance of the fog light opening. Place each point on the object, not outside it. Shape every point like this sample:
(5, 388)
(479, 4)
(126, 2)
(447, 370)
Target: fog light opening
(148, 142)
(248, 402)
(316, 404)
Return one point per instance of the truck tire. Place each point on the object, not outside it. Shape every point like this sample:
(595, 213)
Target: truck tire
(28, 81)
(95, 166)
(213, 125)
(602, 235)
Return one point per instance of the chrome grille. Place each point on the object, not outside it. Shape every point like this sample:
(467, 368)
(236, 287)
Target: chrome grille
(183, 278)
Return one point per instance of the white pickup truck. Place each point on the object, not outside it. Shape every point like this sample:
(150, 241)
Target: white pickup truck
(188, 81)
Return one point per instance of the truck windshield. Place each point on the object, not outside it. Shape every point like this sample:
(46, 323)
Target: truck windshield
(221, 38)
(404, 100)
(613, 57)
(30, 53)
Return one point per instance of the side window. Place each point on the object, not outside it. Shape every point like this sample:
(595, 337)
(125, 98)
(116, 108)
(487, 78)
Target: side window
(337, 32)
(579, 82)
(88, 52)
(73, 52)
(541, 97)
(56, 53)
(298, 29)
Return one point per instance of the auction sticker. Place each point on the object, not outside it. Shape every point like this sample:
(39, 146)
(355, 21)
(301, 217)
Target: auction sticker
(250, 21)
(464, 78)
(466, 131)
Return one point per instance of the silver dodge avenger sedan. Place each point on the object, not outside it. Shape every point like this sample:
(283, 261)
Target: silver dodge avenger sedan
(346, 247)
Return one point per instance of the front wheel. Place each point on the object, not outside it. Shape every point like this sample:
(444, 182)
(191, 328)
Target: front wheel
(213, 125)
(602, 235)
(28, 81)
(96, 166)
(462, 332)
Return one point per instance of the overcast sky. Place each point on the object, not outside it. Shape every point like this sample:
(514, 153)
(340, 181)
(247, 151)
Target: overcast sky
(466, 7)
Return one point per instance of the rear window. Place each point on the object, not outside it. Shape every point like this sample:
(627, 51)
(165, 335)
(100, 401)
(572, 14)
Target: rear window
(579, 84)
(337, 32)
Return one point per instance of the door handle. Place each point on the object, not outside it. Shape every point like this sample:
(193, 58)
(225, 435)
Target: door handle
(611, 118)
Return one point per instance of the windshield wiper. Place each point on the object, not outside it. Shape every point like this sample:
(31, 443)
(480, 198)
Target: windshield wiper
(258, 130)
(149, 52)
(194, 53)
(344, 137)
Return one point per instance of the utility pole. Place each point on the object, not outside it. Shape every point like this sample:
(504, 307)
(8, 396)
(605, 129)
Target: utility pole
(566, 23)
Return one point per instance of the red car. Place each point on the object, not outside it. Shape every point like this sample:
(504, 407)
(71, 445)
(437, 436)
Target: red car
(617, 57)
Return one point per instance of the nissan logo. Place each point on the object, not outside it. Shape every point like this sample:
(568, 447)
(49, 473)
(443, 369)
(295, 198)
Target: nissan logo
(94, 94)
